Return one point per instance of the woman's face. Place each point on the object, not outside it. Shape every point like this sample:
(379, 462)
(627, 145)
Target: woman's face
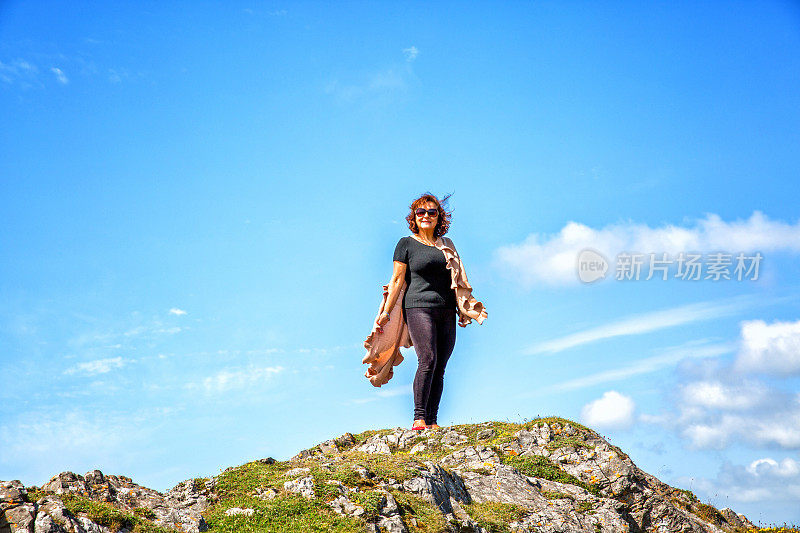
(425, 220)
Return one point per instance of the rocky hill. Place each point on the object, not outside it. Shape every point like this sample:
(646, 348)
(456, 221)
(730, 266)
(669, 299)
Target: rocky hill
(547, 474)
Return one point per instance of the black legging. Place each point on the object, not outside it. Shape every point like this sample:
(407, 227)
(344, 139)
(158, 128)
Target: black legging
(433, 333)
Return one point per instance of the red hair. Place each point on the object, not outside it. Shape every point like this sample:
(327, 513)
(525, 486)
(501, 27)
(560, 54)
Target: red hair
(442, 221)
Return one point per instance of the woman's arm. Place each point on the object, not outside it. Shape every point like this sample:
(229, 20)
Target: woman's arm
(398, 276)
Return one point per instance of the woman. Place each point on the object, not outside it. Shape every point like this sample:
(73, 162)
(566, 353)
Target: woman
(427, 277)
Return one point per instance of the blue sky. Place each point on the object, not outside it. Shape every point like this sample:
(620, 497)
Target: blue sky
(200, 203)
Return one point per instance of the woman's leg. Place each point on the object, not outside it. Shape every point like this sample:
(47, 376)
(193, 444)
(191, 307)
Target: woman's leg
(445, 342)
(422, 330)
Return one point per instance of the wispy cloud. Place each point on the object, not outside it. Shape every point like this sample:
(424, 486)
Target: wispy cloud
(379, 86)
(18, 71)
(60, 76)
(329, 349)
(176, 311)
(396, 391)
(234, 378)
(39, 443)
(645, 323)
(99, 366)
(384, 393)
(668, 357)
(551, 259)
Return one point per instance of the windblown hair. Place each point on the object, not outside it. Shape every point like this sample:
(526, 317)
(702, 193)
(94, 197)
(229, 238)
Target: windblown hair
(442, 221)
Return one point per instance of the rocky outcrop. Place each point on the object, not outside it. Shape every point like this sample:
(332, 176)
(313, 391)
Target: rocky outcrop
(547, 475)
(473, 468)
(181, 508)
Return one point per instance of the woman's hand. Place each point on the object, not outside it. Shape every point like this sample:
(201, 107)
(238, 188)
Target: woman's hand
(382, 321)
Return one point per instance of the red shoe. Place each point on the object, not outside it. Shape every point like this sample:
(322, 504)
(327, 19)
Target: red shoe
(418, 428)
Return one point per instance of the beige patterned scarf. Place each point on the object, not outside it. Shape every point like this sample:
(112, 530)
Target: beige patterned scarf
(383, 347)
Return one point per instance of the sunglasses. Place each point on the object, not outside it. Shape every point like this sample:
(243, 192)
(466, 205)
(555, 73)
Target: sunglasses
(431, 212)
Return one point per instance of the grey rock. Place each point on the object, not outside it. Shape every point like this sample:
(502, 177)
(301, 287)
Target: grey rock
(12, 491)
(437, 485)
(393, 524)
(375, 444)
(234, 511)
(364, 472)
(344, 506)
(304, 486)
(18, 519)
(329, 447)
(486, 434)
(294, 472)
(51, 515)
(417, 448)
(44, 524)
(90, 527)
(345, 440)
(735, 519)
(478, 456)
(388, 505)
(453, 438)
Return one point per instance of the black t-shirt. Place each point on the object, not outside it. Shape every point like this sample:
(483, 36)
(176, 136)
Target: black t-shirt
(428, 279)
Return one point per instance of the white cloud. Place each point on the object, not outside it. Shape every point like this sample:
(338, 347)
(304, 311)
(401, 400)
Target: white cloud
(169, 331)
(723, 403)
(612, 411)
(788, 467)
(763, 480)
(550, 260)
(770, 348)
(396, 391)
(718, 395)
(19, 71)
(710, 415)
(60, 76)
(37, 444)
(228, 379)
(384, 393)
(99, 366)
(176, 311)
(411, 53)
(378, 87)
(644, 323)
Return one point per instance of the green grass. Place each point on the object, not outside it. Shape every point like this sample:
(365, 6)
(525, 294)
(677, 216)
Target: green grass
(286, 513)
(566, 442)
(428, 517)
(708, 513)
(397, 466)
(495, 516)
(107, 515)
(370, 501)
(34, 494)
(555, 495)
(243, 480)
(542, 467)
